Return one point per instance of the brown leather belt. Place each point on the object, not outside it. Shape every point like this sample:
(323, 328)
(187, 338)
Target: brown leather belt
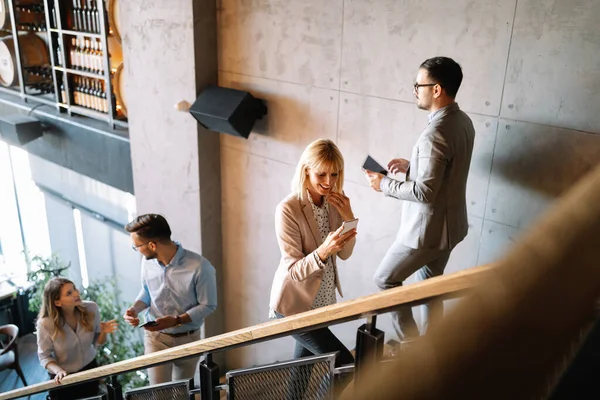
(181, 333)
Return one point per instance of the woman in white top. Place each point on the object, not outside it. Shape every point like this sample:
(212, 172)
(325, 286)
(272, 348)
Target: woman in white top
(308, 226)
(68, 330)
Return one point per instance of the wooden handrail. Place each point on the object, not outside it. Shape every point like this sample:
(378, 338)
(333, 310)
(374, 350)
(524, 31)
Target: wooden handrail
(446, 286)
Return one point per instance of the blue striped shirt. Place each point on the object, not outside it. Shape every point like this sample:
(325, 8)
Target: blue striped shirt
(187, 284)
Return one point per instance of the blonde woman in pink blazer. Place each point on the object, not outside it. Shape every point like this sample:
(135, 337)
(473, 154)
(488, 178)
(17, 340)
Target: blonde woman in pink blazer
(308, 223)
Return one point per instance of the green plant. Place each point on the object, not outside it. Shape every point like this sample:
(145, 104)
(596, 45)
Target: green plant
(123, 344)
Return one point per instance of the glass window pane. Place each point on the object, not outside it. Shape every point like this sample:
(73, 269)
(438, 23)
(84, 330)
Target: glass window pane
(12, 259)
(32, 205)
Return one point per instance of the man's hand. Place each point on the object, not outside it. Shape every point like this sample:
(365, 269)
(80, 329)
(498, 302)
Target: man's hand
(374, 179)
(131, 317)
(166, 322)
(398, 165)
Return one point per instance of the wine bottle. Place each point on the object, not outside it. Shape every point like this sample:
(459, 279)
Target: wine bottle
(63, 93)
(88, 16)
(58, 55)
(86, 56)
(97, 100)
(99, 58)
(104, 99)
(92, 95)
(84, 23)
(93, 12)
(94, 56)
(96, 15)
(76, 16)
(75, 92)
(54, 23)
(80, 51)
(84, 94)
(73, 53)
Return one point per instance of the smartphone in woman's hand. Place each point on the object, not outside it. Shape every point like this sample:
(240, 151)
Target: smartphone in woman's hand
(348, 226)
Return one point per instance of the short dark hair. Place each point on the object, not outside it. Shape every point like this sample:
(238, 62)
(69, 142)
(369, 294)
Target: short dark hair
(150, 227)
(446, 72)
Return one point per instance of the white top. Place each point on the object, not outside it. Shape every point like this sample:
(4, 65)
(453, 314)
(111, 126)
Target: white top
(71, 350)
(326, 294)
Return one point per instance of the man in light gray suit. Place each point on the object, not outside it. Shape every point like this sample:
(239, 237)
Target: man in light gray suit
(434, 210)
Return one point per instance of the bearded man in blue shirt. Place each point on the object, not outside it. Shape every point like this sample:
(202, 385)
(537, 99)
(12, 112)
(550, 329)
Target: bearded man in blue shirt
(179, 290)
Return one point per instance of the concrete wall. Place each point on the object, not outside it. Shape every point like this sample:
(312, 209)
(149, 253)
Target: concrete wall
(344, 70)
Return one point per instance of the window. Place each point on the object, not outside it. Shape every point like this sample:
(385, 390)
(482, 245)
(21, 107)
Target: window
(24, 224)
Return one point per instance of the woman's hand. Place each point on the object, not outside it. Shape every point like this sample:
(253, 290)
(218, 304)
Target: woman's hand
(334, 243)
(342, 203)
(108, 326)
(59, 375)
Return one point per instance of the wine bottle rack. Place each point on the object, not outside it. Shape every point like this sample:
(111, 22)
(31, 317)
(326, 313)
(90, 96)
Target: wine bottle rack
(76, 75)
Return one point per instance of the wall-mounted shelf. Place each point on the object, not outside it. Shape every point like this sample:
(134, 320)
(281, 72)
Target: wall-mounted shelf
(64, 54)
(86, 34)
(80, 73)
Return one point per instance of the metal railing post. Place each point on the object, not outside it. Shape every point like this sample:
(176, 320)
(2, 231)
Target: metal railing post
(209, 378)
(191, 389)
(114, 389)
(369, 348)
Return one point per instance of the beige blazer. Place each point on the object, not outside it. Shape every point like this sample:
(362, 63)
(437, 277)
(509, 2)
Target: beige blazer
(298, 276)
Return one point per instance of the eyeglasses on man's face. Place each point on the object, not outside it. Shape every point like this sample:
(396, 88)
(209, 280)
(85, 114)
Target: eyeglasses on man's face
(136, 248)
(416, 86)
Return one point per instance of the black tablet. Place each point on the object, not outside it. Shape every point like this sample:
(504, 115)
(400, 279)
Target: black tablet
(374, 166)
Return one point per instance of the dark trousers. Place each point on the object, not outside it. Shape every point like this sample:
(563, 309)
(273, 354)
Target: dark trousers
(322, 341)
(78, 391)
(316, 342)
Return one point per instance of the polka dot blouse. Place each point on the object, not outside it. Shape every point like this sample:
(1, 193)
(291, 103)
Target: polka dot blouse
(326, 294)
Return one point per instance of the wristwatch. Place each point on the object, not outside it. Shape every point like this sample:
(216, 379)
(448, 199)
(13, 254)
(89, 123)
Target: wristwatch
(178, 321)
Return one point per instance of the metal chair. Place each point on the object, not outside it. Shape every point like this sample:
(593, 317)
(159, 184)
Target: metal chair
(175, 390)
(9, 357)
(303, 378)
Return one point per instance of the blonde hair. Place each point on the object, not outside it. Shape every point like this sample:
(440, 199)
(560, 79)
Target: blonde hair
(322, 153)
(52, 312)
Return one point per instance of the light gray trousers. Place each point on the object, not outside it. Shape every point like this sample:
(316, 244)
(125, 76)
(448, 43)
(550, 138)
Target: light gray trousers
(397, 265)
(181, 369)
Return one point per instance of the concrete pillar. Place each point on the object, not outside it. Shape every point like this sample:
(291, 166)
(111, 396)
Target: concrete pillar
(170, 51)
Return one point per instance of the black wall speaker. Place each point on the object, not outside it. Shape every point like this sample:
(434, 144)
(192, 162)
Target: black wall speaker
(228, 110)
(18, 129)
